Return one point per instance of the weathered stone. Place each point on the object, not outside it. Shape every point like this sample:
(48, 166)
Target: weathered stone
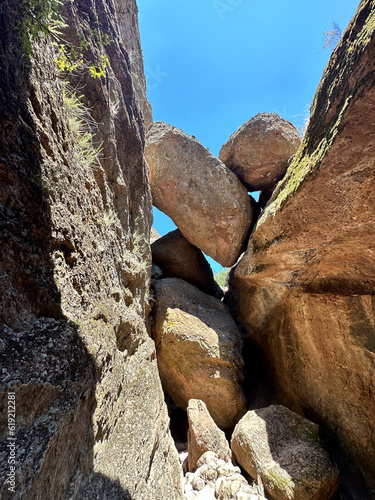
(90, 415)
(283, 448)
(204, 435)
(305, 286)
(198, 350)
(180, 259)
(211, 459)
(204, 199)
(258, 152)
(226, 488)
(154, 235)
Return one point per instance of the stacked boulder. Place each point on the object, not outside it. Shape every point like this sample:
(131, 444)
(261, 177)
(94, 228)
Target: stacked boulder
(259, 152)
(205, 200)
(199, 348)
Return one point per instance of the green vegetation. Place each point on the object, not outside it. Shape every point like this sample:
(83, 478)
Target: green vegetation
(80, 122)
(43, 18)
(221, 278)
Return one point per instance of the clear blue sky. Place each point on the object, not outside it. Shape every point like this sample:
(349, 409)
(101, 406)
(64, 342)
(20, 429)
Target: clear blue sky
(212, 64)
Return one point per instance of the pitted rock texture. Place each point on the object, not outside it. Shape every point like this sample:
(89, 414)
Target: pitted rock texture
(205, 200)
(198, 350)
(305, 286)
(73, 342)
(178, 258)
(284, 450)
(259, 151)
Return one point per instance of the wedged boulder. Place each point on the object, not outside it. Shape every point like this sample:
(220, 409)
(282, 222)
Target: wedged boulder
(283, 448)
(306, 284)
(204, 199)
(204, 435)
(258, 152)
(199, 350)
(178, 258)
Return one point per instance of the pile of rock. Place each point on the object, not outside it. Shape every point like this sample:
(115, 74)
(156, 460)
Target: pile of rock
(216, 479)
(279, 449)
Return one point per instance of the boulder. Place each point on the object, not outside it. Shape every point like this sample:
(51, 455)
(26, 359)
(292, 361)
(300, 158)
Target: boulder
(204, 435)
(154, 235)
(198, 350)
(305, 286)
(204, 199)
(258, 152)
(180, 259)
(283, 448)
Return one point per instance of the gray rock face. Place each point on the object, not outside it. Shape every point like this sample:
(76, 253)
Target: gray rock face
(90, 415)
(204, 435)
(180, 259)
(258, 152)
(198, 350)
(283, 448)
(204, 199)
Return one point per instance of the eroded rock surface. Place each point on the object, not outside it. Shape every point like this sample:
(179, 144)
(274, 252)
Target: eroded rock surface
(178, 258)
(284, 450)
(258, 152)
(204, 435)
(198, 350)
(305, 286)
(204, 199)
(90, 415)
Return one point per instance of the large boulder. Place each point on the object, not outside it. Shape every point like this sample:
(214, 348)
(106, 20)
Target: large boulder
(178, 258)
(204, 435)
(204, 199)
(198, 350)
(283, 448)
(305, 286)
(258, 152)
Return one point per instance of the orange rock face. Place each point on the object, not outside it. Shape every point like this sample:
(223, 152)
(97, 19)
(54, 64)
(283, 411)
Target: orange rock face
(180, 259)
(259, 151)
(306, 283)
(204, 199)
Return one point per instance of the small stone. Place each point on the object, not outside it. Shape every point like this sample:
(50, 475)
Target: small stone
(207, 472)
(198, 483)
(209, 458)
(228, 469)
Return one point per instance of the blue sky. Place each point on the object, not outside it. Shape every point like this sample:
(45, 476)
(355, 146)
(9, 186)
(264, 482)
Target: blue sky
(211, 65)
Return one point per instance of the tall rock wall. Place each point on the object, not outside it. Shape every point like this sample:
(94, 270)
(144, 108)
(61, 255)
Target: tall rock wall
(90, 416)
(305, 287)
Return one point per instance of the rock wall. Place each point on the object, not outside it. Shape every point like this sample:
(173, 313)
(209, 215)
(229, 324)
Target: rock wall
(304, 289)
(90, 415)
